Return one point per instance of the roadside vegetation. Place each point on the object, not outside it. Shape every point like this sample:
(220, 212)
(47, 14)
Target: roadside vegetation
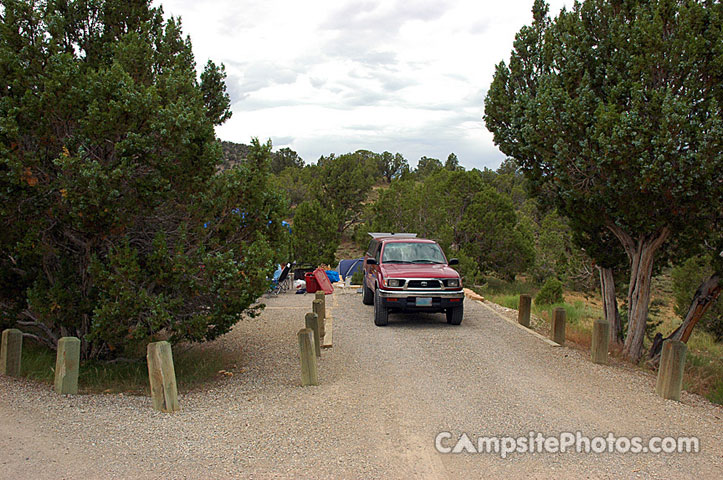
(704, 361)
(195, 367)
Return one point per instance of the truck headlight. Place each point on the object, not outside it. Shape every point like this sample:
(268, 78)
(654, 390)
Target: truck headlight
(453, 282)
(395, 283)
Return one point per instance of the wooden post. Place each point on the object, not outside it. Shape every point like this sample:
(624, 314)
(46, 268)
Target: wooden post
(523, 312)
(312, 322)
(600, 341)
(309, 375)
(670, 373)
(558, 326)
(162, 376)
(11, 352)
(319, 295)
(317, 306)
(67, 363)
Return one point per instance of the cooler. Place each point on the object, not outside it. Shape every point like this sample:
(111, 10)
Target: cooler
(311, 284)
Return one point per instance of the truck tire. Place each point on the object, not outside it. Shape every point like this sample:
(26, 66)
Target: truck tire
(381, 314)
(454, 315)
(367, 294)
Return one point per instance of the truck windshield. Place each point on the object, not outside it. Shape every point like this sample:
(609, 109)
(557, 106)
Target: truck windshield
(412, 252)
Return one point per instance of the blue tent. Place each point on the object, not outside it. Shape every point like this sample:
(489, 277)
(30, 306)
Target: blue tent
(348, 267)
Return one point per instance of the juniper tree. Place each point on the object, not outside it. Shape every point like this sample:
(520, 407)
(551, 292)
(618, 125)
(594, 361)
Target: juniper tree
(116, 227)
(616, 107)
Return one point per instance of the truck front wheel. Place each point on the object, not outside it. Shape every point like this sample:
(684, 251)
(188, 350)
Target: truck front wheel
(381, 314)
(454, 315)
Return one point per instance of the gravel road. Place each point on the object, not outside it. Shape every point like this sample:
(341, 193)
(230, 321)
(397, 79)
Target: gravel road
(385, 394)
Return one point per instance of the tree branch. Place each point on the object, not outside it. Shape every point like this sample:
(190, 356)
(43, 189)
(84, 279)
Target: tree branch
(39, 339)
(35, 322)
(626, 240)
(706, 295)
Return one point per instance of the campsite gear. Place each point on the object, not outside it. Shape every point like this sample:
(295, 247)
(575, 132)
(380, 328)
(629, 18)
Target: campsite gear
(348, 267)
(322, 281)
(332, 275)
(282, 282)
(300, 272)
(311, 284)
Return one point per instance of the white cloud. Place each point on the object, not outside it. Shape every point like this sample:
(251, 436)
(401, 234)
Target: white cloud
(337, 76)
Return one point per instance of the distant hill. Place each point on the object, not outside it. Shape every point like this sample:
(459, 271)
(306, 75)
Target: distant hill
(236, 153)
(233, 154)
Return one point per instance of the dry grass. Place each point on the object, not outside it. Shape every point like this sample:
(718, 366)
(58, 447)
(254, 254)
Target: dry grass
(578, 335)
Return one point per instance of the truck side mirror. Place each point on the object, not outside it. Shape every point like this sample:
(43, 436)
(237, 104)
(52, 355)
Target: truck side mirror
(371, 261)
(453, 261)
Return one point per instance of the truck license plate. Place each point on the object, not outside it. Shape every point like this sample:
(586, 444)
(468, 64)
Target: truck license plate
(424, 302)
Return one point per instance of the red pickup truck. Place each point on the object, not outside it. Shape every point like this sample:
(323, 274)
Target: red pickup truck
(406, 273)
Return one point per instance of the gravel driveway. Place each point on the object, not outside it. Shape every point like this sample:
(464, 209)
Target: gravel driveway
(385, 394)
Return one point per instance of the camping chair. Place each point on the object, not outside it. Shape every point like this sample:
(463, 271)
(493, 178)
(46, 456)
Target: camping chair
(282, 283)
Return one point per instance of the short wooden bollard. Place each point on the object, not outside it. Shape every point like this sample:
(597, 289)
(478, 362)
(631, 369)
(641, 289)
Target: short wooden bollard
(309, 375)
(312, 322)
(600, 341)
(670, 373)
(523, 312)
(67, 363)
(558, 326)
(11, 352)
(317, 306)
(162, 376)
(322, 297)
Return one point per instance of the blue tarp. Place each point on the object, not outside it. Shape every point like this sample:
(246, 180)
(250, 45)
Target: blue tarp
(348, 267)
(333, 275)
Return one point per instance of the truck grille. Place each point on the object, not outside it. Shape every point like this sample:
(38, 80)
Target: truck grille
(424, 284)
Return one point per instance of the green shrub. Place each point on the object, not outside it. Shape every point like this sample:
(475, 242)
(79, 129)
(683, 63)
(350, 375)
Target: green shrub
(551, 292)
(495, 286)
(358, 277)
(468, 268)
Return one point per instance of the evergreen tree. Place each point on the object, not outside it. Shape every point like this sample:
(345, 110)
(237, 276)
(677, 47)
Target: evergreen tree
(615, 107)
(115, 227)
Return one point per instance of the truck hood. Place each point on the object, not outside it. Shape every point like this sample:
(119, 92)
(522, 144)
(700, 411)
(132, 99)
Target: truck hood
(406, 270)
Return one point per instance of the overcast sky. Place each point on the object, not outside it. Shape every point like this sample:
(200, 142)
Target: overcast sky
(337, 76)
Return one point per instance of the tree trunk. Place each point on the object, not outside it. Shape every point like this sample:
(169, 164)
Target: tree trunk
(610, 304)
(641, 253)
(704, 298)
